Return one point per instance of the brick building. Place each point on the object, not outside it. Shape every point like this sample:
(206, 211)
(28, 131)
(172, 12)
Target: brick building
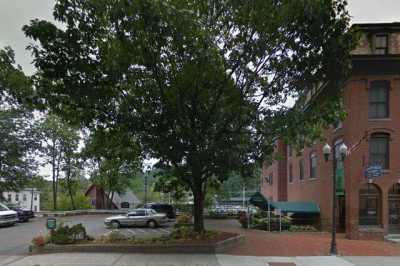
(367, 208)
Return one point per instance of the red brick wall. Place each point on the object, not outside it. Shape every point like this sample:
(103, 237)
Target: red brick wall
(278, 190)
(355, 127)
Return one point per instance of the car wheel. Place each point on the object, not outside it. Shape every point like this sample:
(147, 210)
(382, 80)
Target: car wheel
(152, 224)
(115, 224)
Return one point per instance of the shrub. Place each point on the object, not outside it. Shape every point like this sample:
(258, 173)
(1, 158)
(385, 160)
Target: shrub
(64, 234)
(114, 236)
(302, 228)
(184, 219)
(183, 232)
(39, 241)
(187, 233)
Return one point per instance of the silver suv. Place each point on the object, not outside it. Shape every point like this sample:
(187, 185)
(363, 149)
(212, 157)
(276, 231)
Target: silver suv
(7, 216)
(138, 217)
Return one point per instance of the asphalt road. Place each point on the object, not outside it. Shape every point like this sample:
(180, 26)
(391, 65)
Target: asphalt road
(16, 239)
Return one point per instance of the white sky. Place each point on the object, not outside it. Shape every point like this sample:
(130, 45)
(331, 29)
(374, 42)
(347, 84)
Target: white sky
(16, 13)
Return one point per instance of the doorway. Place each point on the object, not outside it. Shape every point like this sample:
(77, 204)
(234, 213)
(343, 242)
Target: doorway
(394, 209)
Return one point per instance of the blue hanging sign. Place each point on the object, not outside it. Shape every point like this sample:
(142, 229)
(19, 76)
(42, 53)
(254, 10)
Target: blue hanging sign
(373, 171)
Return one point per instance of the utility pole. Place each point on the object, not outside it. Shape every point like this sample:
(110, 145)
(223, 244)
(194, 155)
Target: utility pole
(145, 188)
(244, 196)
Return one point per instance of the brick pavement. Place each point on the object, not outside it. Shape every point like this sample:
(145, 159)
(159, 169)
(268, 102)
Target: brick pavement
(262, 243)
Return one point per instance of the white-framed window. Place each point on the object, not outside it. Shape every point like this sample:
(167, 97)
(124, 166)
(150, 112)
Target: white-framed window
(313, 165)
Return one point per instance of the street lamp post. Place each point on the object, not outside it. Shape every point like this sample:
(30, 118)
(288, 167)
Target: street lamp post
(327, 150)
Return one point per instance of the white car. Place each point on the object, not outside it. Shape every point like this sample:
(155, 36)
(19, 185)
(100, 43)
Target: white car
(7, 216)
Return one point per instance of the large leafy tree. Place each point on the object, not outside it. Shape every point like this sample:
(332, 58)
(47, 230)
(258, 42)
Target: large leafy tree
(17, 127)
(201, 83)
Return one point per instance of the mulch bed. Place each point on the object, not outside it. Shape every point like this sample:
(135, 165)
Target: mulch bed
(221, 242)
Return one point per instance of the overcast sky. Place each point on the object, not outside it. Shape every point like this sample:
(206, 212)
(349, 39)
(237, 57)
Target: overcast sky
(16, 13)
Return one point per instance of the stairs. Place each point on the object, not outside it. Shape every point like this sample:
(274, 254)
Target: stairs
(393, 238)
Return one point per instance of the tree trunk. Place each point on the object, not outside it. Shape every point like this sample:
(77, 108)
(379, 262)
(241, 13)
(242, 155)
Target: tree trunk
(110, 200)
(68, 177)
(53, 165)
(198, 207)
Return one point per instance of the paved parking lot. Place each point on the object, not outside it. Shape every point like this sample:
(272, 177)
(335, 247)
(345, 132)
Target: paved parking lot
(16, 239)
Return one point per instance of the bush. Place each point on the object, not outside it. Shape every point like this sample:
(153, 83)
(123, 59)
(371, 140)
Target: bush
(261, 221)
(114, 236)
(64, 234)
(183, 232)
(183, 220)
(187, 233)
(39, 241)
(302, 228)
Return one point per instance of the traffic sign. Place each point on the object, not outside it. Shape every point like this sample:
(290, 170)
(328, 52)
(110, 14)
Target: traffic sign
(51, 223)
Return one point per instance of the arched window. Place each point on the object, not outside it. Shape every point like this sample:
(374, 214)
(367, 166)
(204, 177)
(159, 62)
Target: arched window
(379, 150)
(394, 208)
(370, 205)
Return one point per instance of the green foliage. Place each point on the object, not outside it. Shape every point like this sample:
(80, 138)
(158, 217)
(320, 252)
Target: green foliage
(81, 202)
(200, 84)
(261, 221)
(65, 234)
(184, 219)
(17, 127)
(60, 142)
(114, 159)
(302, 228)
(138, 186)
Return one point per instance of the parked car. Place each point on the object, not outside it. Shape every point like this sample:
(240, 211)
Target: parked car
(23, 215)
(168, 209)
(138, 217)
(7, 216)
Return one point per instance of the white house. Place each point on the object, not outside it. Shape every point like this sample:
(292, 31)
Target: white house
(28, 198)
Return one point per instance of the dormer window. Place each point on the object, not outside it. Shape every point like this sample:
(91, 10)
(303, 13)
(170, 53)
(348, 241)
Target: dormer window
(381, 44)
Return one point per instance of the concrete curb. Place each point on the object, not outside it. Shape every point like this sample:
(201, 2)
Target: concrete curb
(78, 212)
(183, 248)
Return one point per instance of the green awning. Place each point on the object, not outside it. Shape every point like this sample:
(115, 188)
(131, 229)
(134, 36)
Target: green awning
(296, 206)
(260, 201)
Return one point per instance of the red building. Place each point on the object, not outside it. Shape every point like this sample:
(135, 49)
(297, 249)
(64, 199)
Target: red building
(367, 209)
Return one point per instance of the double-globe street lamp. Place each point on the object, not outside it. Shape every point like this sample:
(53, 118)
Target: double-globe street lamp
(327, 150)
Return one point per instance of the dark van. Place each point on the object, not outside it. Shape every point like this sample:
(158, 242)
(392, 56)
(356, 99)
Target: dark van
(168, 209)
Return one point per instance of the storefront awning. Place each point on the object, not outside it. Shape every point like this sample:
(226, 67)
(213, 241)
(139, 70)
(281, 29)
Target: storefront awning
(260, 201)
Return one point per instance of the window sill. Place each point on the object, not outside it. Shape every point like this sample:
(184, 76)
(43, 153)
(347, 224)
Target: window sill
(379, 119)
(312, 179)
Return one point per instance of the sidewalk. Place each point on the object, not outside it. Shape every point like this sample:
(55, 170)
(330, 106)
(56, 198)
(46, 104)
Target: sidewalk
(107, 259)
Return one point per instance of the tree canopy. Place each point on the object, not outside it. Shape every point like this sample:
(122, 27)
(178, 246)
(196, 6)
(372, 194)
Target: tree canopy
(202, 85)
(17, 127)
